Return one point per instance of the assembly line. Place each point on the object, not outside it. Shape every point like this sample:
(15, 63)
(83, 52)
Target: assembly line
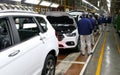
(59, 37)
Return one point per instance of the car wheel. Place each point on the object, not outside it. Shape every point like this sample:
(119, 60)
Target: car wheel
(49, 65)
(78, 46)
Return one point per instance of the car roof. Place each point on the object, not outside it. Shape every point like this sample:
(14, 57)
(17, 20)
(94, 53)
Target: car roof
(11, 10)
(19, 12)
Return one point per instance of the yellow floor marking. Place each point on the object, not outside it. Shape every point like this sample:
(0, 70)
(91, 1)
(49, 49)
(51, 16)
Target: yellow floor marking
(101, 56)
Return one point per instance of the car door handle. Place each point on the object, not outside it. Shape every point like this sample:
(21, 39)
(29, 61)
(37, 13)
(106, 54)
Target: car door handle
(14, 53)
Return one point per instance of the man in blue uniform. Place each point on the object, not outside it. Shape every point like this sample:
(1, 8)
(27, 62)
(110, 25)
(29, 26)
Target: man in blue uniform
(85, 29)
(100, 24)
(90, 17)
(103, 21)
(108, 22)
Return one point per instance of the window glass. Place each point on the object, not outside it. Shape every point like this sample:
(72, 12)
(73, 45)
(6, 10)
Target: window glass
(26, 27)
(42, 23)
(5, 40)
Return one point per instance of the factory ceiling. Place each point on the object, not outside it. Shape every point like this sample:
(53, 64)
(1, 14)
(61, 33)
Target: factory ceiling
(115, 4)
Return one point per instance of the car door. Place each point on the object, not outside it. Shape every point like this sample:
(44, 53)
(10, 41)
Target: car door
(25, 57)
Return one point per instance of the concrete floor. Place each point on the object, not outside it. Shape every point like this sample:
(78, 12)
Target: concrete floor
(106, 58)
(71, 62)
(104, 61)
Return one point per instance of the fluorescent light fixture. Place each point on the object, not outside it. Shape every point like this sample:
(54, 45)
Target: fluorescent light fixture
(17, 0)
(98, 3)
(45, 3)
(36, 2)
(85, 1)
(90, 4)
(95, 7)
(109, 4)
(108, 1)
(54, 5)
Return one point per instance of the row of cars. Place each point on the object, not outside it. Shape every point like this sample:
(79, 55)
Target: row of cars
(30, 42)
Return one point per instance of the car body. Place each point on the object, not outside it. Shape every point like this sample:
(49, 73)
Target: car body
(26, 45)
(66, 28)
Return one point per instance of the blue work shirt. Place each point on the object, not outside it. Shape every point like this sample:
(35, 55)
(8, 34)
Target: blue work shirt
(92, 22)
(109, 20)
(84, 26)
(104, 19)
(100, 21)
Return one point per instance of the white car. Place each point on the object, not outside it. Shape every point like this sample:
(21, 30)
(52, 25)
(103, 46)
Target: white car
(26, 45)
(66, 29)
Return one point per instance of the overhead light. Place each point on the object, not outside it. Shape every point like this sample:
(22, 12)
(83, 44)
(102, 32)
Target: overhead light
(95, 7)
(108, 1)
(109, 4)
(36, 2)
(85, 1)
(54, 5)
(45, 3)
(17, 0)
(90, 4)
(98, 3)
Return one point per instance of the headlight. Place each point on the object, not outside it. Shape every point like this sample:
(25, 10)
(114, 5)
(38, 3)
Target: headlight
(71, 34)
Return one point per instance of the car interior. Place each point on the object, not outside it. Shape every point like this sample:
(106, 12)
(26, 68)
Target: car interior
(4, 35)
(26, 28)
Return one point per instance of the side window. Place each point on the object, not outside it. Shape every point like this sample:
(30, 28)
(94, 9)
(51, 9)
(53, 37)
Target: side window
(5, 39)
(42, 23)
(26, 27)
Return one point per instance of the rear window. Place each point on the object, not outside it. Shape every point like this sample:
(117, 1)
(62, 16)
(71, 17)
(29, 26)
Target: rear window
(60, 20)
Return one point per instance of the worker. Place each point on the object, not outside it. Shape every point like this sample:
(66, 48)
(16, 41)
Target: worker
(108, 22)
(90, 17)
(85, 29)
(104, 22)
(100, 24)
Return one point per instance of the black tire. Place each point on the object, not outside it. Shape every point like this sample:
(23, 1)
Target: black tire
(49, 65)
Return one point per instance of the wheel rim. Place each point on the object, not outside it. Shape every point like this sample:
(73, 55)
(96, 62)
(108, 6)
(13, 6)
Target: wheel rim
(50, 68)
